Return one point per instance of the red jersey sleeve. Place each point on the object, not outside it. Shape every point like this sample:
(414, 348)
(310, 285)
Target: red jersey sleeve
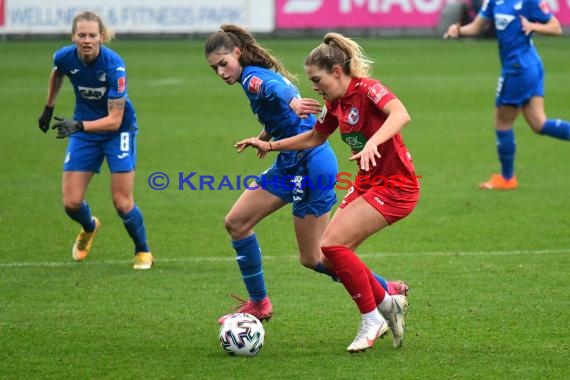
(327, 122)
(380, 95)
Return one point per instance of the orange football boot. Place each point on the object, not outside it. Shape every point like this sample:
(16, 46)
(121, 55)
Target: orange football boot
(498, 182)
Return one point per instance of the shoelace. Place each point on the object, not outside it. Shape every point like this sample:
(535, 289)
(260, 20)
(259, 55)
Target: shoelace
(82, 242)
(364, 325)
(241, 301)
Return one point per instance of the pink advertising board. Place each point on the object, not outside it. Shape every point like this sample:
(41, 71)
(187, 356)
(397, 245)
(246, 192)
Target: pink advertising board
(322, 14)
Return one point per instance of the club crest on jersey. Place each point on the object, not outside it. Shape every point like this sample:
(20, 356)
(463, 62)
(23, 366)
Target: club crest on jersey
(353, 116)
(376, 93)
(254, 85)
(101, 76)
(544, 7)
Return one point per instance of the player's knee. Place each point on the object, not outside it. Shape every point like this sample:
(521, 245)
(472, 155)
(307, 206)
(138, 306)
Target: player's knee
(537, 127)
(308, 261)
(123, 206)
(71, 205)
(233, 226)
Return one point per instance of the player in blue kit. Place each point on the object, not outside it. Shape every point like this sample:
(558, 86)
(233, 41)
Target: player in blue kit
(305, 178)
(103, 127)
(521, 84)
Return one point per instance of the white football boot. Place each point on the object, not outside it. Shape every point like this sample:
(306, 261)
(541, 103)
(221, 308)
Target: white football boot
(367, 334)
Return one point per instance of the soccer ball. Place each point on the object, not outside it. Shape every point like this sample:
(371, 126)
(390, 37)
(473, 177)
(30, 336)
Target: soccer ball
(242, 334)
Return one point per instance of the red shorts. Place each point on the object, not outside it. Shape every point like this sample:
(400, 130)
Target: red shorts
(393, 204)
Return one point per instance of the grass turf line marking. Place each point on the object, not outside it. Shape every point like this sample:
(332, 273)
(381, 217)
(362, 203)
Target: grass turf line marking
(16, 264)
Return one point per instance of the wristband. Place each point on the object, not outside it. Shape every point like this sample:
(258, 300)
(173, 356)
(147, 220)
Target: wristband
(270, 147)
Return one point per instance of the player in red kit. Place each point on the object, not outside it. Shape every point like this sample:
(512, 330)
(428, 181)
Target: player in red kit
(370, 118)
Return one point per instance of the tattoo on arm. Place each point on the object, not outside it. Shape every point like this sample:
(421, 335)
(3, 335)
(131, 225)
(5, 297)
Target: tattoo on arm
(116, 104)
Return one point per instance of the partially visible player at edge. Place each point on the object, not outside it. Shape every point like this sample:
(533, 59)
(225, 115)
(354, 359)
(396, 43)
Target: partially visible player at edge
(236, 57)
(370, 118)
(103, 127)
(521, 83)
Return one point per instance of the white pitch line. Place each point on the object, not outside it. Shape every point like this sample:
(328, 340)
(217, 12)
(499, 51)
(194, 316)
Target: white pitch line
(17, 264)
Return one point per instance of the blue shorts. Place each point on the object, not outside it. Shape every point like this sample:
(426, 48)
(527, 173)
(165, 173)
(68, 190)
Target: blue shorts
(86, 155)
(517, 89)
(309, 186)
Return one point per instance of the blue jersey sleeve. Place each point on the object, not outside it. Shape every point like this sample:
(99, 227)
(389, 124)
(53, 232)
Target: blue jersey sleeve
(537, 11)
(117, 79)
(59, 60)
(487, 10)
(284, 91)
(117, 84)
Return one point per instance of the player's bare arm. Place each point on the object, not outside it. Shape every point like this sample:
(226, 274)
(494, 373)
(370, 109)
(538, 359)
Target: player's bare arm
(398, 118)
(264, 136)
(304, 107)
(472, 29)
(55, 83)
(552, 27)
(111, 122)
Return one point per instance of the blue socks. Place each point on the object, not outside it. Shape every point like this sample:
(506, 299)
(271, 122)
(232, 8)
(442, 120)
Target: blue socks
(320, 268)
(506, 147)
(134, 224)
(248, 256)
(82, 216)
(556, 128)
(381, 281)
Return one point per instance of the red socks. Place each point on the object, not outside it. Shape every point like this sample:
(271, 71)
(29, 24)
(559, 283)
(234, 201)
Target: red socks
(357, 279)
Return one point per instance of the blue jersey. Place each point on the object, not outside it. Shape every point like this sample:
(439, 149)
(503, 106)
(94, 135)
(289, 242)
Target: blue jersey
(516, 50)
(94, 84)
(269, 95)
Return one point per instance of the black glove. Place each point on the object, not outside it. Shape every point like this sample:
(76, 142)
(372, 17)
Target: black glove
(66, 127)
(45, 118)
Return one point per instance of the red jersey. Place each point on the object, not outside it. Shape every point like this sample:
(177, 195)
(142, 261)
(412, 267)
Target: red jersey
(359, 115)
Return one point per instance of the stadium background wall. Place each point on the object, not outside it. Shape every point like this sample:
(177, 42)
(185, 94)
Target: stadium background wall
(33, 19)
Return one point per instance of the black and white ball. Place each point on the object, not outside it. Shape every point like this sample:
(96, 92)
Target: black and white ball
(242, 334)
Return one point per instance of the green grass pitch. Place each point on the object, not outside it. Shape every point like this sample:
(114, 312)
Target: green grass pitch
(488, 271)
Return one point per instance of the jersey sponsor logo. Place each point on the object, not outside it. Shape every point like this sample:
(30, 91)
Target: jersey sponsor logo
(121, 85)
(376, 93)
(355, 140)
(502, 20)
(353, 116)
(254, 85)
(544, 7)
(92, 93)
(301, 6)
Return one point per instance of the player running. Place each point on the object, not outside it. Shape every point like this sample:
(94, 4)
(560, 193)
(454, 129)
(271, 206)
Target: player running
(103, 126)
(521, 83)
